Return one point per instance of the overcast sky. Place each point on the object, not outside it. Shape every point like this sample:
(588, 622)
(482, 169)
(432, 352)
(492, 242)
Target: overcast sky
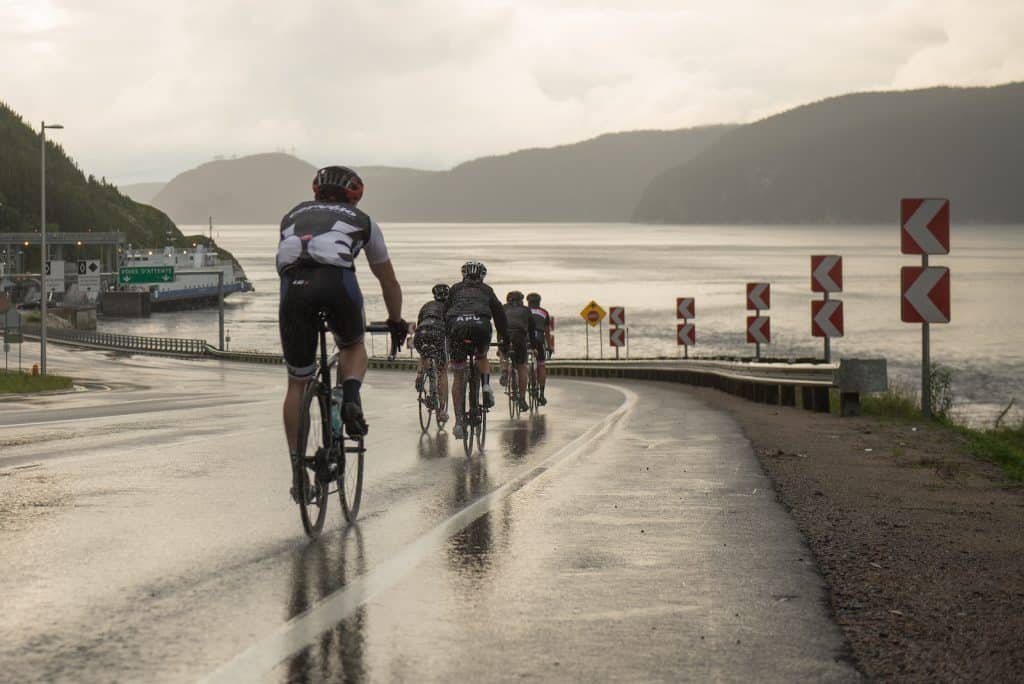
(148, 89)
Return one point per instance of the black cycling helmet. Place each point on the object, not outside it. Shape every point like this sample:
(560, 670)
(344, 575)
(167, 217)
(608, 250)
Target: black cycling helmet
(533, 299)
(474, 270)
(440, 292)
(338, 182)
(514, 296)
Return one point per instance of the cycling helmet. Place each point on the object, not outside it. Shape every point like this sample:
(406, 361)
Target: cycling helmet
(474, 270)
(440, 292)
(514, 296)
(533, 299)
(339, 182)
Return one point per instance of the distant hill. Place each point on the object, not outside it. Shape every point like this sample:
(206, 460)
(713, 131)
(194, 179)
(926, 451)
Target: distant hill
(143, 193)
(254, 189)
(600, 179)
(595, 180)
(849, 159)
(74, 201)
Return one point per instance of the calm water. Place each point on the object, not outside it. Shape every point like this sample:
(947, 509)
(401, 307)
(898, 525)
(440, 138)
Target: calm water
(644, 268)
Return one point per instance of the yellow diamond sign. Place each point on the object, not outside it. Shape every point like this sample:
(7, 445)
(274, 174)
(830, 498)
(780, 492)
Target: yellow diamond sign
(593, 314)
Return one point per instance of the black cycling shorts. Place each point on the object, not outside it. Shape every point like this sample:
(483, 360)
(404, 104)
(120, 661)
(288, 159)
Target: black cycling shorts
(305, 290)
(466, 334)
(540, 347)
(517, 346)
(430, 342)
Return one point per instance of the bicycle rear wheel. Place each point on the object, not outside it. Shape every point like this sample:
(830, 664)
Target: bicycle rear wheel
(350, 480)
(314, 447)
(471, 408)
(425, 411)
(511, 391)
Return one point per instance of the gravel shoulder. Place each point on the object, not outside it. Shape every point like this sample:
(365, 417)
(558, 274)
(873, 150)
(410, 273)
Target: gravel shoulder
(921, 545)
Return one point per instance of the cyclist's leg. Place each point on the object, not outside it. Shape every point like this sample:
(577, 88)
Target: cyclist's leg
(297, 329)
(458, 353)
(345, 303)
(541, 369)
(482, 341)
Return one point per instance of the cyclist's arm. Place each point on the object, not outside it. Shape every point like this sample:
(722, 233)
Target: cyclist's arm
(380, 265)
(389, 287)
(498, 314)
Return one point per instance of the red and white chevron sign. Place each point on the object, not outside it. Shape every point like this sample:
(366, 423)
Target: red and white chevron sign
(827, 273)
(685, 308)
(616, 337)
(925, 294)
(686, 335)
(759, 330)
(616, 315)
(827, 318)
(759, 296)
(924, 226)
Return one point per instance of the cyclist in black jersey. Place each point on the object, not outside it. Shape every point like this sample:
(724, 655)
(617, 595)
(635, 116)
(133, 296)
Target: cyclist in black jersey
(521, 334)
(319, 242)
(468, 312)
(431, 342)
(543, 341)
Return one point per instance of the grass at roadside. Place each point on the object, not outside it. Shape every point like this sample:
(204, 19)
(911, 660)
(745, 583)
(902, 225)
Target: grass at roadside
(1001, 445)
(18, 383)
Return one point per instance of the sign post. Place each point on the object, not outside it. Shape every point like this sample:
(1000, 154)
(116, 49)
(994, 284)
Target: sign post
(686, 333)
(759, 297)
(617, 329)
(592, 314)
(924, 230)
(827, 314)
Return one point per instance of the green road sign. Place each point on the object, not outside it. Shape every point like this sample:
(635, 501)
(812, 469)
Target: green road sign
(137, 275)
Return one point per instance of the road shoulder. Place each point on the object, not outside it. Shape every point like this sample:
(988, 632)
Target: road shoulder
(921, 545)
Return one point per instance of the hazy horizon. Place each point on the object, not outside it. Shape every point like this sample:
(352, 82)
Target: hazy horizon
(145, 94)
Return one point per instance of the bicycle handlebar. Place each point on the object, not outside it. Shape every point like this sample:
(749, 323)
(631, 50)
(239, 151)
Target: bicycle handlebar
(383, 328)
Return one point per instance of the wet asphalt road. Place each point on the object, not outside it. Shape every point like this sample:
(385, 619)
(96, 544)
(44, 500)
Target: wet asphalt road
(625, 533)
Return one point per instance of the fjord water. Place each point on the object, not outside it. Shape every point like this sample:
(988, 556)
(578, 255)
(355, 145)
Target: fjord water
(645, 267)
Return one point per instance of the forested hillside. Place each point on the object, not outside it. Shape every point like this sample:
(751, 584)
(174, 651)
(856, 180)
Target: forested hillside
(74, 201)
(849, 159)
(594, 180)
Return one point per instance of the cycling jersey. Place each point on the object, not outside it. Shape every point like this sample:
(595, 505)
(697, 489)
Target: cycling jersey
(329, 233)
(431, 313)
(519, 319)
(475, 298)
(541, 319)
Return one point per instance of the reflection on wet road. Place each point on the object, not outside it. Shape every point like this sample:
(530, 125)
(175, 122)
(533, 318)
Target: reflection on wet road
(146, 534)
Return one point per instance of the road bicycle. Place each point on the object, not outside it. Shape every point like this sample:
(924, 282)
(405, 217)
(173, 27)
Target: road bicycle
(328, 460)
(473, 410)
(512, 390)
(430, 400)
(533, 389)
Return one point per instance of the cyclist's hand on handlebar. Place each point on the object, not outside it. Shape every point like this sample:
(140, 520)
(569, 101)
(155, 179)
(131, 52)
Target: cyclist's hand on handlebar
(399, 331)
(550, 352)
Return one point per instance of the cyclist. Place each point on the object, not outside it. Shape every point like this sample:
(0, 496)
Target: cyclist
(468, 312)
(543, 342)
(521, 333)
(319, 242)
(429, 341)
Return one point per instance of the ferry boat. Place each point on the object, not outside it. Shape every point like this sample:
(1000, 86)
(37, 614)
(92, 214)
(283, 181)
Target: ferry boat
(195, 278)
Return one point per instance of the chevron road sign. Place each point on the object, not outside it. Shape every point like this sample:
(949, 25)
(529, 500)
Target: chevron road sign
(616, 315)
(686, 335)
(924, 226)
(616, 337)
(759, 296)
(827, 318)
(685, 308)
(759, 330)
(827, 273)
(926, 296)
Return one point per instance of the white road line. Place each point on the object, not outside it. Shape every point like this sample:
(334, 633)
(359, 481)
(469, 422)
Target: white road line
(262, 657)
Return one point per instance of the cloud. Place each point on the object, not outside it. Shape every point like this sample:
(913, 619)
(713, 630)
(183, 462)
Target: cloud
(148, 90)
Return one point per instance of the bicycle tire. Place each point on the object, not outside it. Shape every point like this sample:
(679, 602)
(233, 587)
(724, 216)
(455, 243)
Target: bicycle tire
(473, 409)
(510, 391)
(314, 445)
(425, 412)
(350, 480)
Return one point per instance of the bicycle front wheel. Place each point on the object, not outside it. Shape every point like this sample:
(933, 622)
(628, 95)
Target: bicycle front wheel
(350, 480)
(314, 447)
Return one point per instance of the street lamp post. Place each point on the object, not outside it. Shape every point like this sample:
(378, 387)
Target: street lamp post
(42, 258)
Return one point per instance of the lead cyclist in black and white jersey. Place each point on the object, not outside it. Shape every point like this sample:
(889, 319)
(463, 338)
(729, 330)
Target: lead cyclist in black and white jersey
(320, 240)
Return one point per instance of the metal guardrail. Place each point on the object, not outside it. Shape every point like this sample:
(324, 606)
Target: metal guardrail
(805, 385)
